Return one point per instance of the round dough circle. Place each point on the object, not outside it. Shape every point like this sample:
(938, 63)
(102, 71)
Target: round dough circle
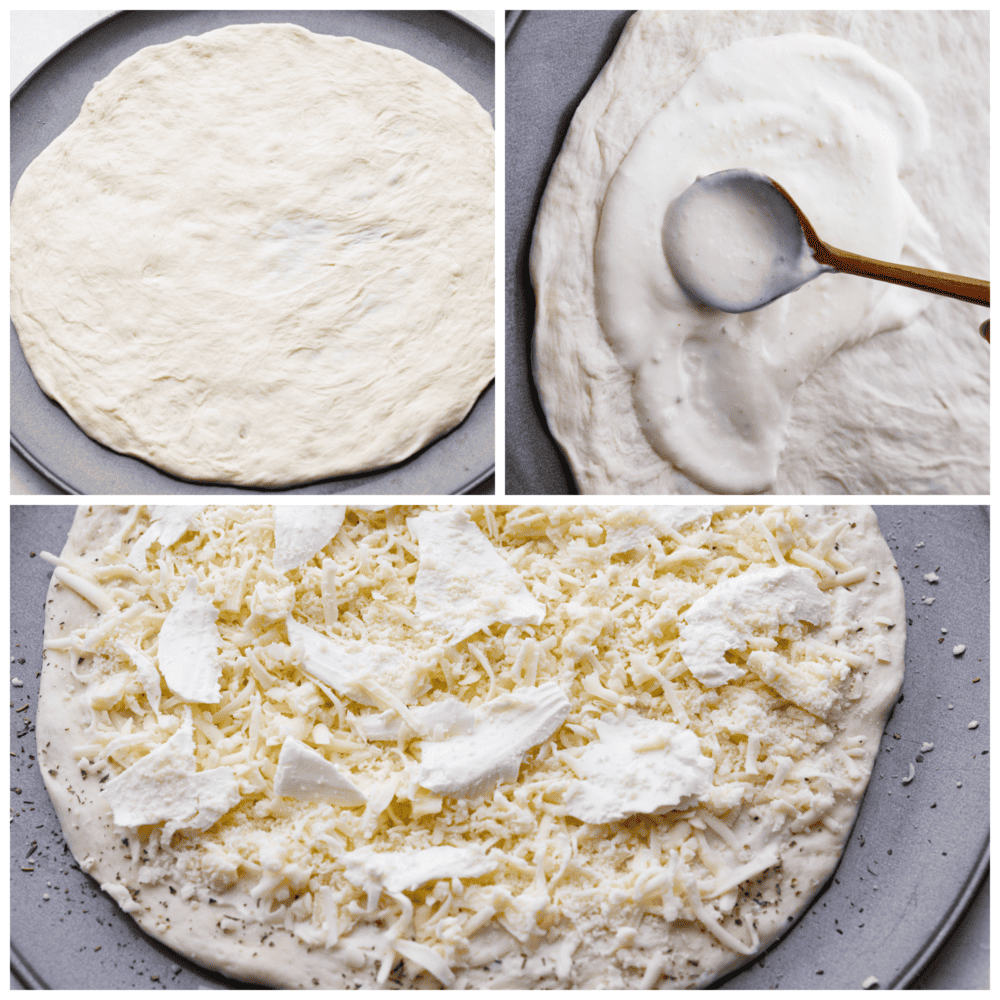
(262, 256)
(907, 411)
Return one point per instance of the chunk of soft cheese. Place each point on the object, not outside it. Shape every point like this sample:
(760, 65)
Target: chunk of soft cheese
(439, 720)
(188, 648)
(472, 765)
(756, 603)
(165, 785)
(305, 774)
(712, 391)
(405, 871)
(627, 527)
(168, 524)
(346, 665)
(463, 583)
(301, 531)
(638, 765)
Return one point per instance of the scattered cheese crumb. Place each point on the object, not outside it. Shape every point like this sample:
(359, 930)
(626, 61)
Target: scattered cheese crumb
(927, 747)
(16, 682)
(624, 936)
(957, 650)
(919, 545)
(973, 724)
(871, 982)
(958, 784)
(910, 776)
(927, 600)
(931, 577)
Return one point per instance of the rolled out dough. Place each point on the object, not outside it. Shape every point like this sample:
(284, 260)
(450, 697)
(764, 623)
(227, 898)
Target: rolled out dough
(905, 412)
(262, 256)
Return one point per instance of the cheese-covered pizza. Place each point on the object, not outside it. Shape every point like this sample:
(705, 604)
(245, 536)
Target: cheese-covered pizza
(476, 746)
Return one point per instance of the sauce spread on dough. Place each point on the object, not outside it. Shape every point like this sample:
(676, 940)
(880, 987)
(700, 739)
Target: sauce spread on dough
(734, 242)
(712, 390)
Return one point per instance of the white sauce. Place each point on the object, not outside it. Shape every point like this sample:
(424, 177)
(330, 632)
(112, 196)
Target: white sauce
(734, 249)
(713, 390)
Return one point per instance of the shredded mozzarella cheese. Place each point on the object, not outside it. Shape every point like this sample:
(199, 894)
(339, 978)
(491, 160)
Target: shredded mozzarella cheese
(608, 639)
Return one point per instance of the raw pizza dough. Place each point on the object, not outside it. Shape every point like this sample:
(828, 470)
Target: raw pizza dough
(905, 412)
(262, 256)
(281, 891)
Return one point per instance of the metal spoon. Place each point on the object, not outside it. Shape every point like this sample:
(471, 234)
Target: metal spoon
(769, 248)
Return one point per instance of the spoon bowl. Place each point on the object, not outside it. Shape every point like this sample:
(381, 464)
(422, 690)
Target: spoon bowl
(735, 240)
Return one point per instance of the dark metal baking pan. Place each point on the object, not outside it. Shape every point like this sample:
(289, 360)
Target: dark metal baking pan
(50, 99)
(917, 856)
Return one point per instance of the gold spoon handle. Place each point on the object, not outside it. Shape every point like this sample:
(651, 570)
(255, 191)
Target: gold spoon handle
(953, 285)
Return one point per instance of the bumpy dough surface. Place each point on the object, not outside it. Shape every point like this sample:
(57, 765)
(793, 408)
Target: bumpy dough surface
(906, 412)
(262, 256)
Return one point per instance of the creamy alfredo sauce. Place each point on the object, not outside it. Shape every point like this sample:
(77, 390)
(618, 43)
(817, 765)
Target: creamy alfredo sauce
(712, 390)
(733, 241)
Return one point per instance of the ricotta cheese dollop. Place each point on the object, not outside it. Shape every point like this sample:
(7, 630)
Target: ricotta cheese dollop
(189, 647)
(464, 583)
(636, 766)
(165, 785)
(756, 603)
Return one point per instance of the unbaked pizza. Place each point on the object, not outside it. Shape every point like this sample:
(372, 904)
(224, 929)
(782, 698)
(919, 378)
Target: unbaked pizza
(845, 386)
(470, 746)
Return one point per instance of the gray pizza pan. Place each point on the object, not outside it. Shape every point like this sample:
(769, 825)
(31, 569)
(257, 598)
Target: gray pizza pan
(50, 99)
(908, 903)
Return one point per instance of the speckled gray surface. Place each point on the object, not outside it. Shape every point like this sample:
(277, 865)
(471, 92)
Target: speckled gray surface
(41, 431)
(914, 860)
